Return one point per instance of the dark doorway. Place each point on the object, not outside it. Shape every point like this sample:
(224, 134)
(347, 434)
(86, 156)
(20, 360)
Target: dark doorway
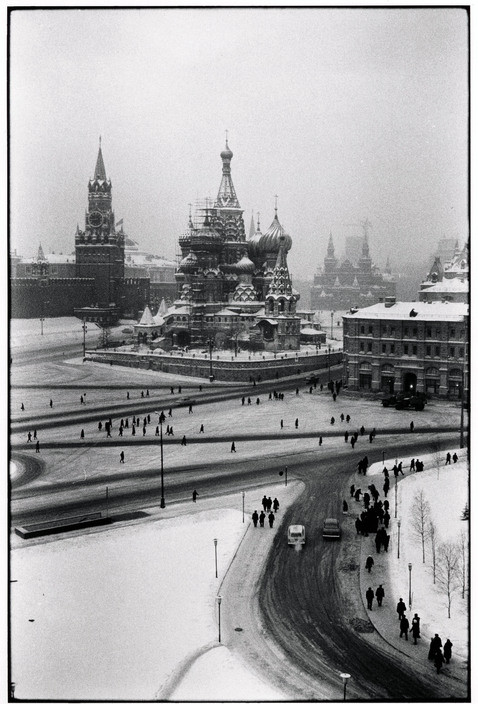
(409, 383)
(183, 338)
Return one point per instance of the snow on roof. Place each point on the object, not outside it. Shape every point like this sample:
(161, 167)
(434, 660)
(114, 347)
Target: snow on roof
(424, 311)
(311, 331)
(226, 311)
(147, 317)
(449, 286)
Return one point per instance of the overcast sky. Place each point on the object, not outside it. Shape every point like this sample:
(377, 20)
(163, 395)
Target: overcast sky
(345, 114)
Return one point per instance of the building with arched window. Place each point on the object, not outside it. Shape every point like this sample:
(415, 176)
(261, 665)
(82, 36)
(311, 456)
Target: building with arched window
(407, 347)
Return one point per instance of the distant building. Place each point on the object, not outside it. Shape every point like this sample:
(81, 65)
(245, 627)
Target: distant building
(450, 282)
(232, 289)
(407, 347)
(340, 286)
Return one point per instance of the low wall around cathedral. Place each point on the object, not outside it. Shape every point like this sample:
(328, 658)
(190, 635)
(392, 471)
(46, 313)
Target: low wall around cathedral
(285, 364)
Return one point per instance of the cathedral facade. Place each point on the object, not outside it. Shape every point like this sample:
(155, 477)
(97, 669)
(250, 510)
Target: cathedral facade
(342, 286)
(232, 288)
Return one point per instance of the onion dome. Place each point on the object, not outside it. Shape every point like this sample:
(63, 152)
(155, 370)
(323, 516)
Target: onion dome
(244, 266)
(253, 243)
(189, 263)
(272, 239)
(226, 152)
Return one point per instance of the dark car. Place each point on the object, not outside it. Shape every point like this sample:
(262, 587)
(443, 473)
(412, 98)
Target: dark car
(392, 400)
(413, 403)
(331, 529)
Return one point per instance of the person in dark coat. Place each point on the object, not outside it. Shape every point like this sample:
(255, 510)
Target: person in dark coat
(401, 608)
(352, 442)
(269, 504)
(436, 643)
(412, 465)
(415, 629)
(296, 422)
(281, 423)
(358, 526)
(447, 650)
(345, 507)
(195, 495)
(347, 419)
(82, 434)
(262, 518)
(362, 430)
(233, 446)
(133, 430)
(352, 490)
(271, 519)
(144, 432)
(416, 619)
(404, 625)
(369, 563)
(342, 417)
(438, 660)
(379, 593)
(37, 446)
(29, 437)
(264, 502)
(121, 457)
(201, 429)
(346, 436)
(320, 440)
(275, 505)
(357, 494)
(386, 542)
(448, 458)
(378, 542)
(255, 518)
(332, 420)
(412, 426)
(183, 441)
(369, 596)
(455, 458)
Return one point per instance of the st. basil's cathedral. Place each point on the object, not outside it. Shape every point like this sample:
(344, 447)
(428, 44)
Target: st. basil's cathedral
(231, 288)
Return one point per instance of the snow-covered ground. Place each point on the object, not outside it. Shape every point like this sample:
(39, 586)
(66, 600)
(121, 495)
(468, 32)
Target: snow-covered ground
(130, 612)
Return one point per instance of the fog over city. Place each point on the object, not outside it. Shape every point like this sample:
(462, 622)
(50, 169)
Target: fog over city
(345, 114)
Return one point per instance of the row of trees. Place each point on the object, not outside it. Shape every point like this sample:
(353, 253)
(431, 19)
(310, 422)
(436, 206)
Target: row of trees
(448, 559)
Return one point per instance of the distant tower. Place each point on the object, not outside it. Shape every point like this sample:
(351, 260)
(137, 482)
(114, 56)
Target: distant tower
(330, 262)
(99, 248)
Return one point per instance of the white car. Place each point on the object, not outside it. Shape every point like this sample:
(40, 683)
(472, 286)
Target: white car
(296, 535)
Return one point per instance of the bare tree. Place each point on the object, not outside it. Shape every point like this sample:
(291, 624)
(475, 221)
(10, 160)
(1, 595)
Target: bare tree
(463, 545)
(420, 518)
(433, 538)
(448, 568)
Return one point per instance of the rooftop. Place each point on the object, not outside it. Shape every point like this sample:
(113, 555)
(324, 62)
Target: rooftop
(453, 312)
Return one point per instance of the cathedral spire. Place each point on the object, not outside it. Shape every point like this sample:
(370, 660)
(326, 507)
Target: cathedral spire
(100, 172)
(330, 247)
(226, 197)
(280, 283)
(252, 228)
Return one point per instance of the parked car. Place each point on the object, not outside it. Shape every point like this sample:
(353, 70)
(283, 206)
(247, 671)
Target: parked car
(331, 529)
(296, 535)
(413, 403)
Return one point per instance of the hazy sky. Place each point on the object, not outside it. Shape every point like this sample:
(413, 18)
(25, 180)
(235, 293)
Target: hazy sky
(346, 114)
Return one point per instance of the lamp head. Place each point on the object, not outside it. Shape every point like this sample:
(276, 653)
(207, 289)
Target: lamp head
(410, 566)
(219, 598)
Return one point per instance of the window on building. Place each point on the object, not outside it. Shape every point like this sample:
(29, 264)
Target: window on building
(405, 330)
(392, 349)
(369, 347)
(414, 350)
(28, 270)
(428, 350)
(429, 332)
(405, 349)
(415, 332)
(452, 351)
(54, 269)
(384, 348)
(460, 351)
(361, 347)
(437, 350)
(392, 330)
(362, 329)
(370, 329)
(452, 332)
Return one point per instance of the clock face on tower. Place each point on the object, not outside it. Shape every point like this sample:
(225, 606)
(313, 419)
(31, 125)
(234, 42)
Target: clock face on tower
(95, 218)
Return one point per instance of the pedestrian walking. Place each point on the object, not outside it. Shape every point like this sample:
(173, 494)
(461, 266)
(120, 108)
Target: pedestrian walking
(296, 422)
(262, 518)
(201, 429)
(233, 446)
(345, 507)
(436, 643)
(352, 442)
(370, 437)
(120, 431)
(448, 458)
(271, 519)
(438, 660)
(133, 430)
(416, 619)
(255, 518)
(82, 434)
(190, 408)
(121, 457)
(144, 431)
(147, 392)
(183, 441)
(342, 417)
(243, 400)
(347, 418)
(179, 389)
(156, 432)
(195, 495)
(379, 593)
(29, 437)
(37, 446)
(142, 394)
(412, 426)
(415, 630)
(275, 504)
(369, 563)
(404, 625)
(352, 490)
(127, 395)
(369, 596)
(346, 436)
(455, 458)
(447, 650)
(23, 407)
(401, 608)
(51, 403)
(320, 440)
(378, 542)
(281, 424)
(334, 396)
(412, 465)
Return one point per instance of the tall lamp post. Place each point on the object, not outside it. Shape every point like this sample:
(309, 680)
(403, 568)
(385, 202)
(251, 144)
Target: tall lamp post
(210, 342)
(383, 456)
(84, 327)
(396, 480)
(399, 523)
(345, 678)
(243, 497)
(285, 472)
(331, 324)
(410, 585)
(219, 599)
(215, 554)
(162, 418)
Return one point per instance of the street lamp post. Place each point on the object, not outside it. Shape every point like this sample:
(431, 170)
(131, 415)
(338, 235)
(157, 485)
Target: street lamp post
(243, 497)
(329, 362)
(398, 543)
(331, 324)
(84, 328)
(410, 585)
(12, 690)
(284, 472)
(396, 481)
(219, 599)
(162, 418)
(215, 554)
(345, 678)
(383, 456)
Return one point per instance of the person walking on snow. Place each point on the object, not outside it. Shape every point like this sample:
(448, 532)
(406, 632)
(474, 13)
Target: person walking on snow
(404, 627)
(438, 660)
(447, 650)
(121, 457)
(369, 563)
(275, 505)
(255, 518)
(262, 518)
(380, 593)
(233, 446)
(415, 629)
(271, 519)
(369, 596)
(401, 608)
